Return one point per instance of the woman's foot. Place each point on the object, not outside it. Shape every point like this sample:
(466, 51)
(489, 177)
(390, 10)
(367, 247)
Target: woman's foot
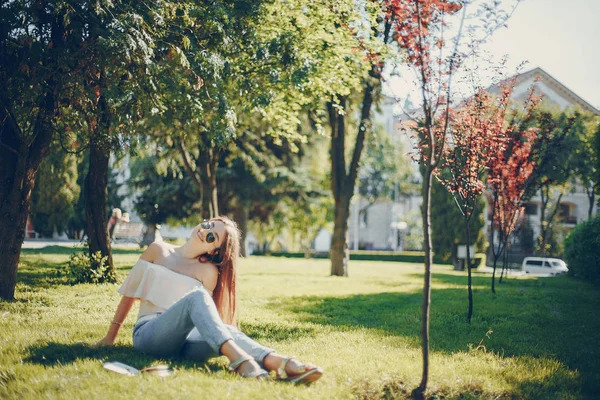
(248, 368)
(241, 362)
(292, 370)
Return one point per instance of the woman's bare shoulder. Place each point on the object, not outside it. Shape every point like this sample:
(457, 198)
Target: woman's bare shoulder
(210, 276)
(156, 250)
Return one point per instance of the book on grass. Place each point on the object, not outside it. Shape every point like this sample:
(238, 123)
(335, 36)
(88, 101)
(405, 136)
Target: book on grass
(124, 369)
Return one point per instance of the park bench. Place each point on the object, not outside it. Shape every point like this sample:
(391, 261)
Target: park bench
(130, 232)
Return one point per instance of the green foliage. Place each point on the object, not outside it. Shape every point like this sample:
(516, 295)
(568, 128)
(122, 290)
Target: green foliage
(165, 193)
(552, 246)
(55, 192)
(582, 247)
(448, 224)
(385, 169)
(555, 146)
(413, 240)
(83, 268)
(585, 164)
(525, 234)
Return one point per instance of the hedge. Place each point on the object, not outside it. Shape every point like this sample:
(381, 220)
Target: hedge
(406, 256)
(582, 251)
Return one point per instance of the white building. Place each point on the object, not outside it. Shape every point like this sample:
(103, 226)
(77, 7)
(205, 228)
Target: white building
(384, 225)
(574, 205)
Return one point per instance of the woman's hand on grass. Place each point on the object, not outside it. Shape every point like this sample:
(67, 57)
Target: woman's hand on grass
(105, 341)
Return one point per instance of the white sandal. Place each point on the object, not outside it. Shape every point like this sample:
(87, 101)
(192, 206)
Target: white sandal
(303, 376)
(260, 374)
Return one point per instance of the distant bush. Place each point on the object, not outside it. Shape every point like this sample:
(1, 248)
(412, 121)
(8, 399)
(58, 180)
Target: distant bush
(582, 248)
(407, 256)
(366, 255)
(81, 268)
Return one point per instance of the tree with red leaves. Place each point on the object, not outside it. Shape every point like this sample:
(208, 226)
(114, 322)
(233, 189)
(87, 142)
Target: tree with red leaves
(422, 30)
(509, 172)
(475, 133)
(412, 32)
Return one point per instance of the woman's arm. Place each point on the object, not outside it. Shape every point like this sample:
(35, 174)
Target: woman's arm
(120, 315)
(126, 302)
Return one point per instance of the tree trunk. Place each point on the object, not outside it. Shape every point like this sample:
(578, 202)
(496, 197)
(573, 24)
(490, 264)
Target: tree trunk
(241, 212)
(504, 262)
(543, 206)
(96, 183)
(340, 251)
(342, 182)
(426, 302)
(494, 275)
(151, 234)
(591, 195)
(495, 251)
(209, 180)
(211, 173)
(18, 169)
(191, 169)
(547, 222)
(469, 277)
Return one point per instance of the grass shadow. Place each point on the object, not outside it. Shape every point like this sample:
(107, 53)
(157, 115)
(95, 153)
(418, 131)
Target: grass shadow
(39, 274)
(527, 320)
(276, 332)
(390, 313)
(57, 354)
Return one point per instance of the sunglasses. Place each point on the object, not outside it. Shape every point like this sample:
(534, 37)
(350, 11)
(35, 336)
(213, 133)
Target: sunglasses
(210, 236)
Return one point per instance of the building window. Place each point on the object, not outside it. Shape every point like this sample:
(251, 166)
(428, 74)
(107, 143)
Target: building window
(564, 214)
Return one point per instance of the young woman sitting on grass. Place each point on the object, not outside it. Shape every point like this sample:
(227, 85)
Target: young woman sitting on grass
(188, 305)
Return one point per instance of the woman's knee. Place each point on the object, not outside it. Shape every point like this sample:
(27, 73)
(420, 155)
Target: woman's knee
(197, 298)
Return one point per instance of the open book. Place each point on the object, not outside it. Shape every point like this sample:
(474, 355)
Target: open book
(119, 367)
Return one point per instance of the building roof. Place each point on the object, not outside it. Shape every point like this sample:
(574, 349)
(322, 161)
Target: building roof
(567, 94)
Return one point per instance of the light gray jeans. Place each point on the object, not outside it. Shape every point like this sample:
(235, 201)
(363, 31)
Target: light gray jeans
(166, 335)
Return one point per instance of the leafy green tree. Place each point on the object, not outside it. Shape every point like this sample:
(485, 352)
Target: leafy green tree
(581, 251)
(586, 159)
(384, 172)
(552, 155)
(298, 207)
(103, 61)
(164, 193)
(260, 176)
(253, 78)
(33, 49)
(369, 71)
(55, 193)
(447, 225)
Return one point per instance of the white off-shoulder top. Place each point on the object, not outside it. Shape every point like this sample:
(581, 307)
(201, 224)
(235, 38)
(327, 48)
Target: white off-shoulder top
(157, 287)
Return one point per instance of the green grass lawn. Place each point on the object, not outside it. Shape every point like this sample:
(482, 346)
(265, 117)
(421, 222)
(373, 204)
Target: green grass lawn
(537, 338)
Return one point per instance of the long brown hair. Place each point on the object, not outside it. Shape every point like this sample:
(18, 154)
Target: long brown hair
(226, 259)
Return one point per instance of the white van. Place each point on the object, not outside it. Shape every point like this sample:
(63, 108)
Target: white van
(544, 266)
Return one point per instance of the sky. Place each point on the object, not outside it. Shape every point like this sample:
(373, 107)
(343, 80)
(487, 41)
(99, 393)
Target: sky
(561, 37)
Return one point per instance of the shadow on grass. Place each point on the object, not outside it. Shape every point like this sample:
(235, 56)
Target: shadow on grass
(390, 313)
(542, 319)
(55, 354)
(276, 332)
(40, 274)
(561, 386)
